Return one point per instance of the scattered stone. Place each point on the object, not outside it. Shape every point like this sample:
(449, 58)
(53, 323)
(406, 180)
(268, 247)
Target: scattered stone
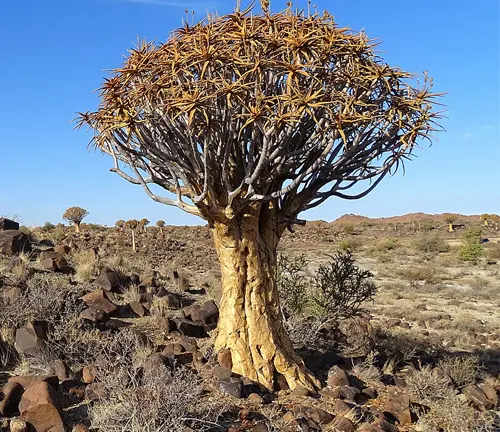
(56, 264)
(100, 300)
(108, 280)
(31, 338)
(300, 391)
(47, 254)
(27, 380)
(342, 408)
(233, 387)
(189, 328)
(397, 404)
(370, 393)
(8, 224)
(135, 279)
(476, 397)
(221, 373)
(256, 399)
(94, 315)
(146, 298)
(490, 392)
(341, 424)
(138, 308)
(182, 284)
(88, 374)
(224, 358)
(62, 249)
(164, 324)
(80, 428)
(14, 242)
(318, 415)
(337, 377)
(260, 427)
(11, 396)
(62, 370)
(148, 282)
(94, 392)
(41, 408)
(173, 301)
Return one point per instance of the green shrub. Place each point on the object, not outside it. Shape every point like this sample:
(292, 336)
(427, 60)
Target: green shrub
(387, 244)
(344, 245)
(292, 283)
(48, 226)
(472, 236)
(431, 243)
(341, 287)
(471, 252)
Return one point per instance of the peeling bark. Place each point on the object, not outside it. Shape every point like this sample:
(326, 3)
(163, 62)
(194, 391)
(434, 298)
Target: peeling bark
(250, 323)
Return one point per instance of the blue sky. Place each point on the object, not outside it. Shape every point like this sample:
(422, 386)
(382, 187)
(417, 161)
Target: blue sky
(55, 52)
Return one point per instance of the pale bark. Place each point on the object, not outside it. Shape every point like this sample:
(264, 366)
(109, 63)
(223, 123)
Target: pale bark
(134, 249)
(250, 323)
(77, 228)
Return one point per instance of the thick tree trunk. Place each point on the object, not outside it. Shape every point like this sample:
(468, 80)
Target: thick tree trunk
(250, 323)
(77, 228)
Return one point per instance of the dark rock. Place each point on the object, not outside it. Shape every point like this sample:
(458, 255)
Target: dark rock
(8, 224)
(46, 254)
(62, 249)
(189, 328)
(135, 279)
(109, 280)
(164, 324)
(94, 392)
(301, 391)
(342, 424)
(146, 298)
(62, 370)
(342, 408)
(232, 387)
(31, 338)
(41, 408)
(57, 265)
(148, 282)
(173, 301)
(100, 300)
(337, 377)
(11, 396)
(476, 397)
(94, 315)
(321, 417)
(139, 309)
(397, 405)
(14, 242)
(370, 393)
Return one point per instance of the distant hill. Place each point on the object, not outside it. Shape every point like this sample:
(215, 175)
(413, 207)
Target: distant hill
(410, 217)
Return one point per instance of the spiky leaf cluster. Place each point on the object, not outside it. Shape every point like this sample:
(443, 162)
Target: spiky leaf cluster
(281, 109)
(75, 215)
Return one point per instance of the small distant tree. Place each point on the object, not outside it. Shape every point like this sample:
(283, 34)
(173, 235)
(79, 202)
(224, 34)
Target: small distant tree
(160, 224)
(75, 215)
(132, 225)
(485, 218)
(449, 219)
(472, 250)
(495, 219)
(120, 224)
(143, 223)
(48, 226)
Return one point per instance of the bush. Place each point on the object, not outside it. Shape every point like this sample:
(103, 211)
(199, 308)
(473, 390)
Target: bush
(292, 283)
(431, 243)
(48, 226)
(341, 287)
(462, 370)
(471, 252)
(387, 244)
(472, 236)
(418, 275)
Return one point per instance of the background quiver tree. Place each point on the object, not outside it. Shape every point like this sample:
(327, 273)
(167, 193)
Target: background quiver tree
(449, 218)
(143, 223)
(75, 215)
(132, 226)
(485, 218)
(160, 224)
(246, 120)
(495, 219)
(120, 224)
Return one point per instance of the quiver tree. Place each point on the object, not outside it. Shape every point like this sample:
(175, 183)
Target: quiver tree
(132, 225)
(485, 218)
(495, 219)
(75, 215)
(449, 218)
(246, 121)
(143, 223)
(160, 224)
(120, 224)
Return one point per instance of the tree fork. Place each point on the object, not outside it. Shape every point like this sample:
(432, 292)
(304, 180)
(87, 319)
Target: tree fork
(250, 323)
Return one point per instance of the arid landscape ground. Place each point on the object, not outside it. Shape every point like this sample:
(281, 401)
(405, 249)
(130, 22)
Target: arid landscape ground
(97, 337)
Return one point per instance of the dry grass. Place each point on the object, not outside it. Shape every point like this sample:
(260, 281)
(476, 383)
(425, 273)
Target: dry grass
(85, 264)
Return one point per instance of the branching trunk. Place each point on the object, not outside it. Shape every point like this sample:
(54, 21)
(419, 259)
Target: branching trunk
(250, 323)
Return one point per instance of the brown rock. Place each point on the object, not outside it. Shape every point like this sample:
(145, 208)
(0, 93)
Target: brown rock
(62, 249)
(14, 242)
(173, 301)
(56, 264)
(80, 428)
(28, 341)
(256, 399)
(88, 374)
(11, 396)
(94, 392)
(397, 404)
(48, 254)
(108, 280)
(40, 407)
(342, 408)
(148, 282)
(94, 315)
(301, 391)
(341, 424)
(337, 377)
(490, 392)
(224, 358)
(221, 373)
(27, 380)
(62, 370)
(321, 417)
(100, 300)
(189, 328)
(476, 397)
(8, 224)
(138, 308)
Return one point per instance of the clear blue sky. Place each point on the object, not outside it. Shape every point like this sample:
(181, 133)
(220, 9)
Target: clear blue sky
(55, 52)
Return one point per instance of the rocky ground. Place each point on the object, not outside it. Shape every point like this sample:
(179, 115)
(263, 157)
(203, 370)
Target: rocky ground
(94, 336)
